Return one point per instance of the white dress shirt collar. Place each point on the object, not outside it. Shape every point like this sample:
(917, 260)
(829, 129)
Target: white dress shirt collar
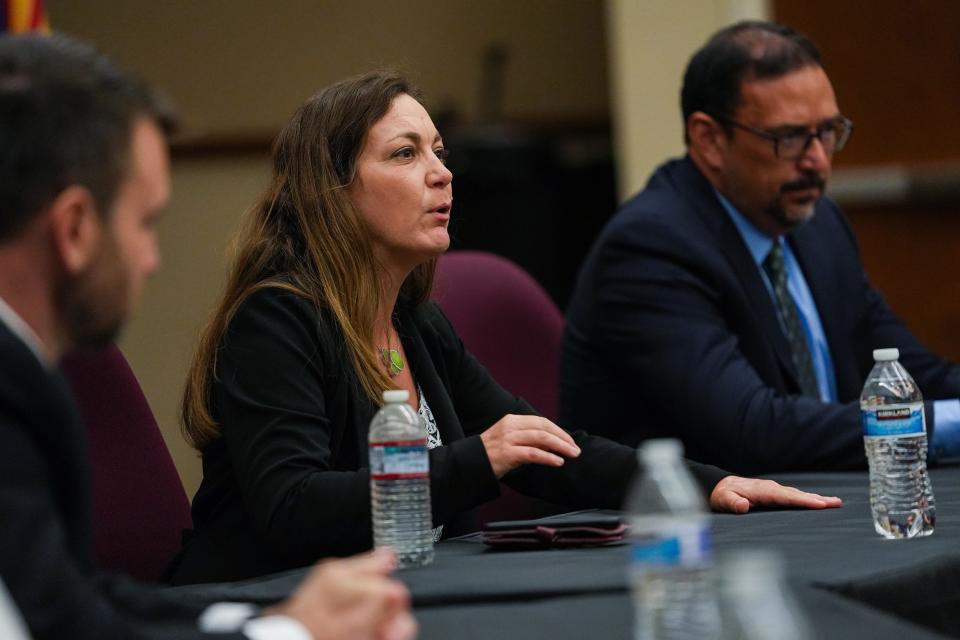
(22, 330)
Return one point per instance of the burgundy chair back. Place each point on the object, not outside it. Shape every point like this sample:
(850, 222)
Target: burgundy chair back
(506, 320)
(139, 505)
(510, 324)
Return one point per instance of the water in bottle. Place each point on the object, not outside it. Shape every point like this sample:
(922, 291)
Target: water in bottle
(400, 481)
(895, 438)
(756, 603)
(671, 571)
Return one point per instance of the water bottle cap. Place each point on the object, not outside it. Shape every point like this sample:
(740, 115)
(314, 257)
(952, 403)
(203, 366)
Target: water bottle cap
(886, 355)
(394, 396)
(661, 449)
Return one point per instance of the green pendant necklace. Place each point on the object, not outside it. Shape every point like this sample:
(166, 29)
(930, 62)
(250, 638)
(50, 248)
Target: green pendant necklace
(393, 360)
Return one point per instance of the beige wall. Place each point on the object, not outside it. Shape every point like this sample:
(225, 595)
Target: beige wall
(239, 68)
(650, 42)
(242, 65)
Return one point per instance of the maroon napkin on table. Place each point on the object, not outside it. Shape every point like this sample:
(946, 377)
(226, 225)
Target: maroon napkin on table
(575, 530)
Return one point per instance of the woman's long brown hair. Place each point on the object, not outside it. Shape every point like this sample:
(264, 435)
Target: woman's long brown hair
(304, 236)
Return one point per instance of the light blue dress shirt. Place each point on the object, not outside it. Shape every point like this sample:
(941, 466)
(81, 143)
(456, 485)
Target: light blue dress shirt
(946, 413)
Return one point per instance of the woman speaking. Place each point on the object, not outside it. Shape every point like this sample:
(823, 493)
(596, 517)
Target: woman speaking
(326, 306)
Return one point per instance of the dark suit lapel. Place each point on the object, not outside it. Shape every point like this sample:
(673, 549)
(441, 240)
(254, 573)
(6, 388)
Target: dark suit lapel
(727, 238)
(818, 272)
(425, 374)
(756, 291)
(42, 400)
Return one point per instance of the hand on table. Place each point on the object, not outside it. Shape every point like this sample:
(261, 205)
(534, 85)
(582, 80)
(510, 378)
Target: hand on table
(352, 599)
(737, 495)
(517, 440)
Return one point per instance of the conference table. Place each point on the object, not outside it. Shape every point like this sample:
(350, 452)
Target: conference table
(849, 582)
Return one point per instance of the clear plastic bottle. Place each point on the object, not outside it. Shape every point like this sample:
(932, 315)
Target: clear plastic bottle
(671, 570)
(756, 601)
(400, 481)
(895, 438)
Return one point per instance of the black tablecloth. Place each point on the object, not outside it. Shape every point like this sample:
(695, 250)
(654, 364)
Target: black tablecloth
(850, 581)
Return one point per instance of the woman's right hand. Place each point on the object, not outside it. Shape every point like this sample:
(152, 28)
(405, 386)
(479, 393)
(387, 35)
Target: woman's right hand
(517, 440)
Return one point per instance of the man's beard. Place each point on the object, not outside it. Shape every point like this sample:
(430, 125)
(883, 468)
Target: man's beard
(93, 304)
(777, 211)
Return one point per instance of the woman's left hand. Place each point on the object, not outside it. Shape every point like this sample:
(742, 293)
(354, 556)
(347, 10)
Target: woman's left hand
(737, 495)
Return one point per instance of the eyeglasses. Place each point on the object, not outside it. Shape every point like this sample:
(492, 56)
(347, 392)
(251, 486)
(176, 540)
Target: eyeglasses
(792, 143)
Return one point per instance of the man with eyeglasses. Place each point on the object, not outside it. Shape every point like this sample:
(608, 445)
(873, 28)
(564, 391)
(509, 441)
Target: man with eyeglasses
(726, 303)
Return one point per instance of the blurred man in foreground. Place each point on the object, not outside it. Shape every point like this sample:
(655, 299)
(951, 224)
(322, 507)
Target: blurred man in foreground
(84, 176)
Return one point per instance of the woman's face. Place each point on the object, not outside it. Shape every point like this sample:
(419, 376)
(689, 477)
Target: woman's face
(402, 188)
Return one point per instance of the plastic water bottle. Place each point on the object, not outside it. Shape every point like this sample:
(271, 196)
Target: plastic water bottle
(671, 570)
(400, 482)
(895, 437)
(756, 601)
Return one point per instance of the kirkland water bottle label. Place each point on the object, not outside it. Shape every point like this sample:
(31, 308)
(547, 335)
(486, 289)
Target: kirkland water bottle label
(894, 420)
(399, 460)
(689, 546)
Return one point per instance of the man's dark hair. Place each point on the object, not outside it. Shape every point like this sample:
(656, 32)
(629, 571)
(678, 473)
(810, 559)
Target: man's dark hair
(66, 117)
(748, 50)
